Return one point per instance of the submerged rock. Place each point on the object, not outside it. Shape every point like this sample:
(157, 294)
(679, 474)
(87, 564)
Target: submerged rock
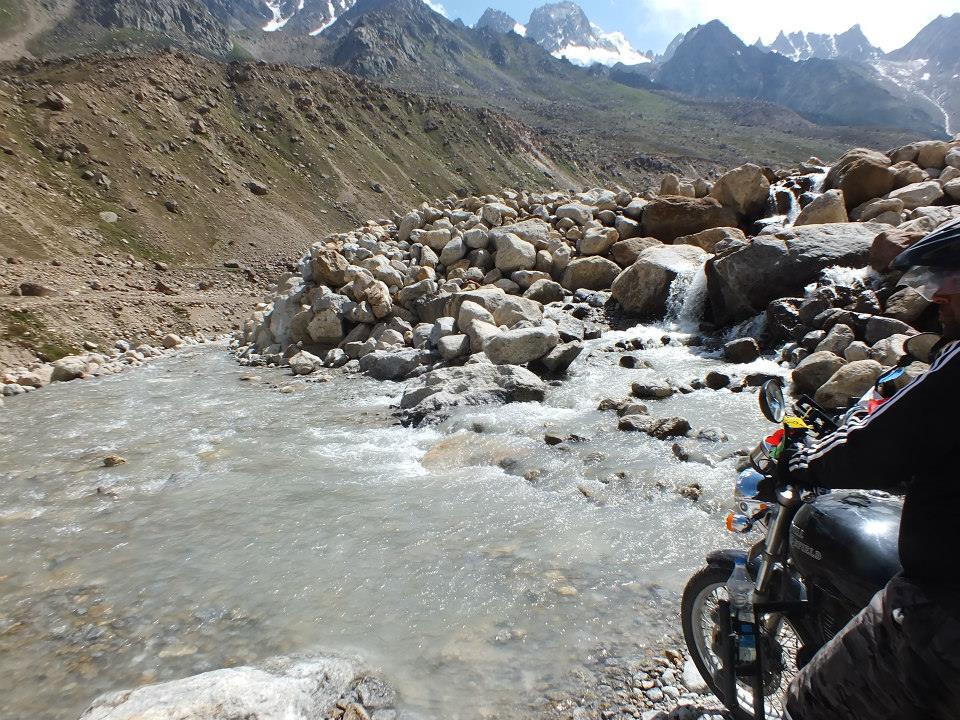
(480, 384)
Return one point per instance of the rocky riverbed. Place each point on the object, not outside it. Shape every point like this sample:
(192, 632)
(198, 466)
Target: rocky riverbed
(480, 446)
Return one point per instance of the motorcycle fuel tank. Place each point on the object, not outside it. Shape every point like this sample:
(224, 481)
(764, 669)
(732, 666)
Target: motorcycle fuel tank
(846, 543)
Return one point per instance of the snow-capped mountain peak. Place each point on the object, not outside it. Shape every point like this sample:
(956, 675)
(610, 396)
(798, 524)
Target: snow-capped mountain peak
(849, 45)
(563, 29)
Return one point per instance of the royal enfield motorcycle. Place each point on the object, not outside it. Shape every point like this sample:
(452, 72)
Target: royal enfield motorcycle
(822, 558)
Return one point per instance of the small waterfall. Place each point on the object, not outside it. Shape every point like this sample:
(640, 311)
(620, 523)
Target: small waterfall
(687, 299)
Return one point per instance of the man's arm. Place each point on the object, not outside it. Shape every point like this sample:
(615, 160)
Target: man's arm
(881, 450)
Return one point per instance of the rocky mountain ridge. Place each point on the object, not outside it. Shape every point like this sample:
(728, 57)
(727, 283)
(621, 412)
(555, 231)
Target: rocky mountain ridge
(849, 45)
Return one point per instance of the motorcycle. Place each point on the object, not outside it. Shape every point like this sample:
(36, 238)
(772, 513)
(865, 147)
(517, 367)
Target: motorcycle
(822, 558)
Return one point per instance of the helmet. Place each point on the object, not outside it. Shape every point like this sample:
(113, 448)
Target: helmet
(935, 262)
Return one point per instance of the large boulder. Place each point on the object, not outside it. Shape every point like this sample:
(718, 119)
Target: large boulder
(642, 289)
(848, 384)
(578, 212)
(743, 282)
(745, 190)
(596, 241)
(918, 194)
(523, 345)
(514, 254)
(828, 208)
(862, 175)
(668, 218)
(534, 231)
(590, 273)
(290, 688)
(436, 392)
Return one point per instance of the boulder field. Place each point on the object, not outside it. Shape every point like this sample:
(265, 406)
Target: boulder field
(522, 279)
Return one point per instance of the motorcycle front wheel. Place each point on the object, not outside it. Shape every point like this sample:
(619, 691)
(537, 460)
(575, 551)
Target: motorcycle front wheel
(699, 616)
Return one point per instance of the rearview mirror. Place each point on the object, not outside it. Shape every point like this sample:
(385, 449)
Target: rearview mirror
(772, 404)
(919, 346)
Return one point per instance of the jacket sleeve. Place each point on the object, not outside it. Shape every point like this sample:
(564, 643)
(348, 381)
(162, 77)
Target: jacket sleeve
(881, 451)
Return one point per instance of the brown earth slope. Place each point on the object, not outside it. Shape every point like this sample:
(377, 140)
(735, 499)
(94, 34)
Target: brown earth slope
(112, 164)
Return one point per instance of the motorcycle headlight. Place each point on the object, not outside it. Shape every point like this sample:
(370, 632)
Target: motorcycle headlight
(748, 485)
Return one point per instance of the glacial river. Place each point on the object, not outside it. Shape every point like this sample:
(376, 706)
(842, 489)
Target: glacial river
(463, 561)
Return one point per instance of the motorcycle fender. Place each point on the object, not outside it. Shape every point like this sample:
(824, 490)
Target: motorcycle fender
(727, 558)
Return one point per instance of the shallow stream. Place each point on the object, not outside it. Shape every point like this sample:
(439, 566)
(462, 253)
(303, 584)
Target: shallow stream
(469, 562)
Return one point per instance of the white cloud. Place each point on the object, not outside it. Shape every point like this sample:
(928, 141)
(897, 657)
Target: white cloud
(885, 24)
(437, 7)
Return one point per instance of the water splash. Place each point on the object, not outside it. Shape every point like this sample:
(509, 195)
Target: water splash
(687, 299)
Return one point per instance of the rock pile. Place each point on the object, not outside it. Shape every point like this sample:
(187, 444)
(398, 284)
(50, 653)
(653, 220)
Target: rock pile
(95, 363)
(522, 279)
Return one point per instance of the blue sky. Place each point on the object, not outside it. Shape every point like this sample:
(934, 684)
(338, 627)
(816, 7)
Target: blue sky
(651, 24)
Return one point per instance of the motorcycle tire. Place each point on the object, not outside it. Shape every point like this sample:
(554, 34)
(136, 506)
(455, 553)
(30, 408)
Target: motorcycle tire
(706, 579)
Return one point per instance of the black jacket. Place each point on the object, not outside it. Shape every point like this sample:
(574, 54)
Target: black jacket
(913, 438)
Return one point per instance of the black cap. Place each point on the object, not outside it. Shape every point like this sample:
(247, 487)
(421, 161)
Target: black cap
(939, 249)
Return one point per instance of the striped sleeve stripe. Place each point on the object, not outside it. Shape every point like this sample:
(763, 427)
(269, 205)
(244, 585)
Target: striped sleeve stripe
(803, 459)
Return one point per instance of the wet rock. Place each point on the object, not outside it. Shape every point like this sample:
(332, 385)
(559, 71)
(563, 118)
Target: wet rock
(716, 380)
(744, 282)
(741, 350)
(562, 356)
(112, 460)
(643, 288)
(436, 392)
(651, 390)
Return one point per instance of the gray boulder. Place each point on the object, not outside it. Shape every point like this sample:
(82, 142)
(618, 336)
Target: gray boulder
(590, 273)
(438, 391)
(744, 190)
(918, 194)
(453, 346)
(545, 292)
(291, 688)
(562, 356)
(742, 283)
(390, 365)
(304, 363)
(828, 208)
(523, 345)
(514, 254)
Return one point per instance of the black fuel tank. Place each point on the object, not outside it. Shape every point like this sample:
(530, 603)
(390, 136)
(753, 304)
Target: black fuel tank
(846, 543)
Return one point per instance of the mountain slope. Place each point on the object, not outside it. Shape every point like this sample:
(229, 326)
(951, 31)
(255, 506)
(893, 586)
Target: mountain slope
(712, 61)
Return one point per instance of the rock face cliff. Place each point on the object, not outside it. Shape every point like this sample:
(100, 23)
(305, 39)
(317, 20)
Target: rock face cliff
(712, 61)
(849, 45)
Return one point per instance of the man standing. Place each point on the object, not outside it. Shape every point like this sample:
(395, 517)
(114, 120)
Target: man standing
(900, 657)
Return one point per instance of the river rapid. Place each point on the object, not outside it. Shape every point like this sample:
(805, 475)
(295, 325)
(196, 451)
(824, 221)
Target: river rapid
(469, 562)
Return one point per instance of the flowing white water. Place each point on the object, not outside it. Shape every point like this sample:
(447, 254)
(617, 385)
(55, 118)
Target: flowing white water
(462, 560)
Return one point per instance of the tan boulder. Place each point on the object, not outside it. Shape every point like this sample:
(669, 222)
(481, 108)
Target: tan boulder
(828, 208)
(874, 208)
(745, 190)
(919, 194)
(907, 173)
(848, 384)
(670, 185)
(668, 218)
(862, 174)
(932, 153)
(890, 243)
